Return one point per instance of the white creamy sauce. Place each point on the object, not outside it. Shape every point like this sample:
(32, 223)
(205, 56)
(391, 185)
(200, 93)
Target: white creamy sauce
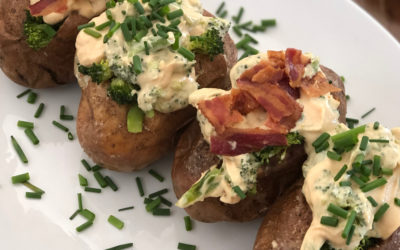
(313, 67)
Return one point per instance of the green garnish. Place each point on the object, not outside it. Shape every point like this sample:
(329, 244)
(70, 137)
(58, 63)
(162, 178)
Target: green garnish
(103, 25)
(111, 183)
(238, 17)
(345, 183)
(32, 187)
(220, 8)
(82, 181)
(115, 222)
(369, 112)
(32, 97)
(387, 171)
(165, 201)
(80, 206)
(156, 175)
(153, 204)
(188, 223)
(161, 212)
(38, 33)
(379, 140)
(186, 53)
(24, 93)
(239, 192)
(84, 226)
(376, 125)
(24, 124)
(120, 247)
(329, 221)
(381, 211)
(337, 210)
(60, 126)
(158, 193)
(139, 185)
(18, 149)
(372, 201)
(100, 179)
(20, 178)
(373, 184)
(323, 147)
(340, 173)
(33, 195)
(89, 215)
(349, 224)
(92, 190)
(376, 168)
(350, 236)
(74, 214)
(175, 14)
(397, 201)
(126, 208)
(334, 156)
(31, 135)
(39, 110)
(321, 140)
(357, 180)
(364, 143)
(184, 246)
(139, 8)
(126, 32)
(137, 65)
(86, 164)
(70, 136)
(358, 161)
(345, 141)
(92, 33)
(96, 168)
(135, 119)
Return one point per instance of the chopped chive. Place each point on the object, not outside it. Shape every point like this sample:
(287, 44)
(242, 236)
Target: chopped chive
(158, 17)
(20, 178)
(103, 25)
(252, 39)
(147, 200)
(92, 190)
(156, 175)
(111, 32)
(381, 211)
(329, 221)
(96, 168)
(373, 184)
(161, 212)
(74, 214)
(33, 195)
(80, 206)
(60, 126)
(39, 110)
(364, 143)
(345, 183)
(387, 171)
(32, 187)
(346, 140)
(109, 15)
(349, 223)
(175, 14)
(250, 50)
(153, 204)
(357, 180)
(220, 8)
(19, 151)
(166, 2)
(188, 223)
(358, 161)
(24, 93)
(62, 110)
(223, 14)
(115, 222)
(350, 236)
(87, 214)
(334, 156)
(175, 23)
(92, 33)
(162, 34)
(365, 170)
(268, 22)
(165, 201)
(379, 140)
(336, 210)
(154, 32)
(32, 97)
(111, 183)
(158, 193)
(121, 247)
(137, 64)
(186, 53)
(84, 226)
(24, 124)
(372, 201)
(239, 192)
(139, 8)
(340, 173)
(347, 97)
(376, 168)
(31, 135)
(397, 201)
(323, 147)
(100, 179)
(82, 181)
(238, 16)
(367, 162)
(175, 46)
(237, 31)
(342, 78)
(320, 140)
(352, 120)
(86, 164)
(350, 125)
(146, 48)
(86, 25)
(66, 117)
(70, 136)
(184, 246)
(146, 21)
(139, 185)
(243, 42)
(364, 178)
(257, 28)
(369, 112)
(246, 24)
(376, 125)
(126, 208)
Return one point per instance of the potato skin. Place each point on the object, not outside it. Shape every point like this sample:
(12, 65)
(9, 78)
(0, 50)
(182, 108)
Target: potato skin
(48, 67)
(193, 157)
(101, 123)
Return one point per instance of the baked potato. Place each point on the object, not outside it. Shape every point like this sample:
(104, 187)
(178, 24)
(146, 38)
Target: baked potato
(102, 122)
(193, 158)
(40, 64)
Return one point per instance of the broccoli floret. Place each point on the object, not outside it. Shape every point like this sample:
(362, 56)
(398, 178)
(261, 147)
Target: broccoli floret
(38, 34)
(99, 72)
(365, 244)
(210, 42)
(122, 92)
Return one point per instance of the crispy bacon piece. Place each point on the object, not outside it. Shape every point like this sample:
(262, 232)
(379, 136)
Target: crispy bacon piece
(295, 63)
(243, 101)
(317, 86)
(45, 7)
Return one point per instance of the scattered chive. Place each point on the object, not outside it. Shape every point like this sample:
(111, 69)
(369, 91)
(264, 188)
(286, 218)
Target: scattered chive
(246, 24)
(243, 42)
(147, 200)
(348, 240)
(238, 16)
(31, 135)
(80, 202)
(126, 32)
(369, 112)
(109, 15)
(140, 187)
(184, 246)
(372, 201)
(357, 180)
(86, 164)
(364, 143)
(70, 136)
(156, 175)
(352, 120)
(239, 192)
(220, 8)
(334, 156)
(186, 53)
(86, 25)
(379, 140)
(237, 31)
(20, 178)
(340, 173)
(32, 97)
(175, 14)
(100, 179)
(87, 214)
(397, 201)
(96, 168)
(345, 183)
(153, 204)
(250, 50)
(387, 171)
(111, 183)
(347, 97)
(165, 201)
(111, 32)
(146, 48)
(82, 181)
(115, 222)
(33, 195)
(373, 184)
(323, 147)
(84, 226)
(18, 149)
(358, 160)
(126, 208)
(336, 210)
(158, 193)
(268, 22)
(137, 64)
(66, 117)
(92, 33)
(32, 187)
(154, 32)
(24, 124)
(39, 110)
(161, 212)
(342, 78)
(158, 17)
(162, 34)
(139, 8)
(366, 170)
(103, 25)
(364, 178)
(74, 214)
(367, 162)
(346, 140)
(320, 140)
(120, 247)
(349, 224)
(60, 126)
(223, 14)
(188, 223)
(381, 211)
(329, 221)
(93, 190)
(24, 93)
(376, 168)
(376, 125)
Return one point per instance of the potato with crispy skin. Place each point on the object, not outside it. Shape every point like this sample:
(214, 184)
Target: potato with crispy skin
(193, 158)
(45, 67)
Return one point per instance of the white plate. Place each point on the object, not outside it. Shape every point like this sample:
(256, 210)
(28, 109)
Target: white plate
(342, 35)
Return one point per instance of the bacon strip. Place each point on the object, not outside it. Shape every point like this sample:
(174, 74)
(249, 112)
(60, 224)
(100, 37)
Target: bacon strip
(295, 63)
(45, 7)
(318, 85)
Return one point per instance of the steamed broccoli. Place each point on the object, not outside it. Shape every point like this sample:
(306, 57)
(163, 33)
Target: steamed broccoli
(365, 244)
(121, 92)
(99, 72)
(38, 34)
(211, 42)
